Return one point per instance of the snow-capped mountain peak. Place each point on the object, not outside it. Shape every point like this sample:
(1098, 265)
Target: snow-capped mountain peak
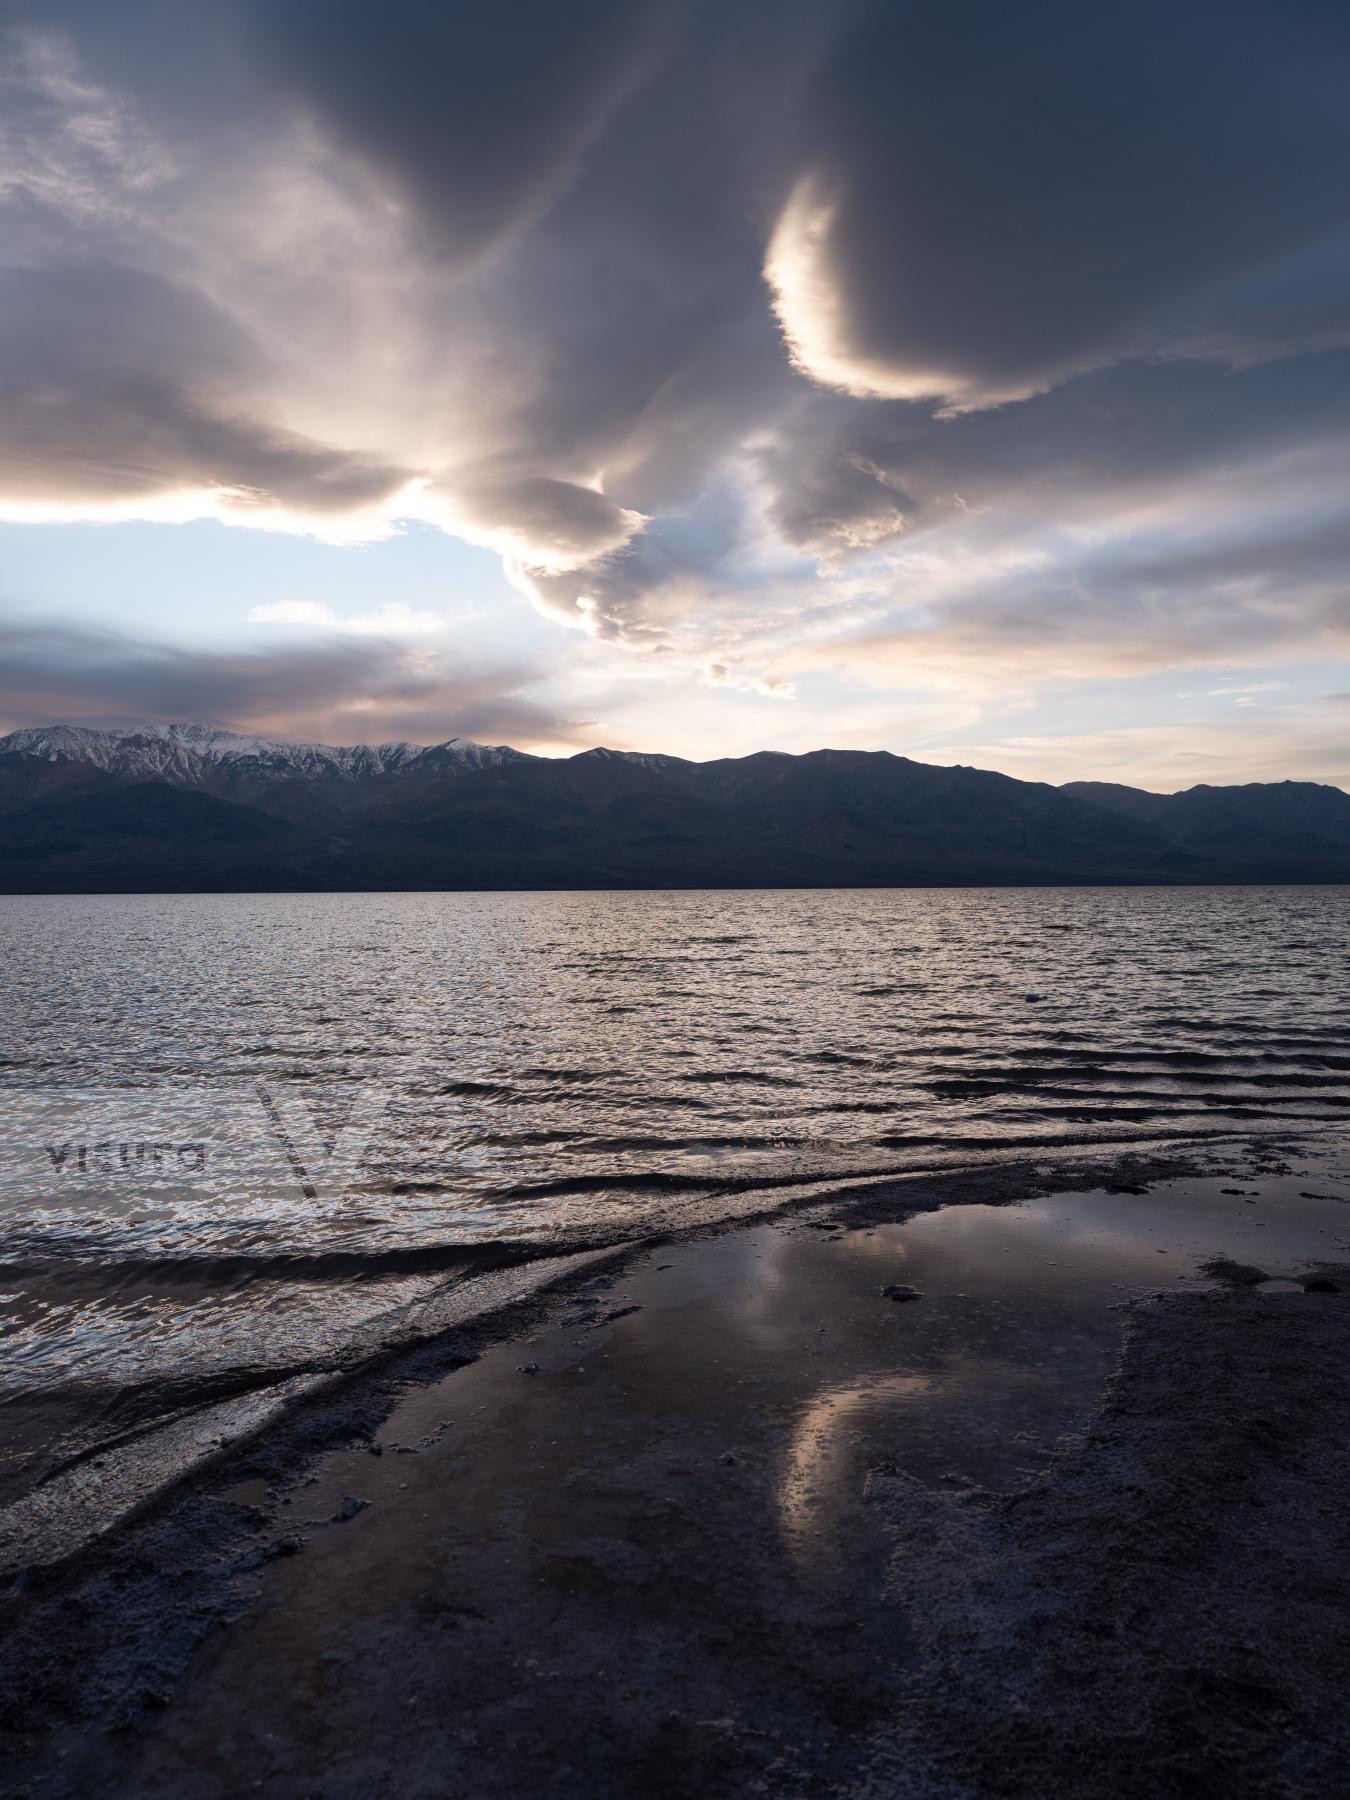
(191, 752)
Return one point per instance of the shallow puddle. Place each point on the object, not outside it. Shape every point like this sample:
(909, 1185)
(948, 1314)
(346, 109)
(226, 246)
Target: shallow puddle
(770, 1359)
(661, 1498)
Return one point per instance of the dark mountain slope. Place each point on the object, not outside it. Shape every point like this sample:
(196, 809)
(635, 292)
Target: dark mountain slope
(188, 807)
(1129, 802)
(1285, 823)
(832, 817)
(25, 782)
(149, 836)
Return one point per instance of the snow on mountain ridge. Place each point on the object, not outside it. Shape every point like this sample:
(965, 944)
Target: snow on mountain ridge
(190, 751)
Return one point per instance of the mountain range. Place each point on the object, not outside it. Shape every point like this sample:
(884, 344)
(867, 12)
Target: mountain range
(183, 808)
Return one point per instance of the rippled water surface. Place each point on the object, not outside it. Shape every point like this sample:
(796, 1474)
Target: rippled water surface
(237, 1127)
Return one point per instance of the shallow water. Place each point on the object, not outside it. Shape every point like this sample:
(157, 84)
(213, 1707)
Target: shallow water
(238, 1128)
(776, 1347)
(666, 1489)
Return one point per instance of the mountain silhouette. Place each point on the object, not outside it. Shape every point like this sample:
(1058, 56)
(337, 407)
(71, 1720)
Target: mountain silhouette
(193, 808)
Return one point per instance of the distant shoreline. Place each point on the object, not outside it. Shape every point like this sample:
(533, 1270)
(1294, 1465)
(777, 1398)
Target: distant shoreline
(729, 887)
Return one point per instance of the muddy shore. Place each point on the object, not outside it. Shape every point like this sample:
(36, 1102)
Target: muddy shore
(1021, 1481)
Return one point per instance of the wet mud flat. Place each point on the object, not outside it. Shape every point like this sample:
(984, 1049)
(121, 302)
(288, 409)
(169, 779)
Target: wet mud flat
(1020, 1482)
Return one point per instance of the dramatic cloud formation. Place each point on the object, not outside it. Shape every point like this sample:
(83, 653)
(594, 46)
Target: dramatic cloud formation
(937, 348)
(997, 197)
(480, 116)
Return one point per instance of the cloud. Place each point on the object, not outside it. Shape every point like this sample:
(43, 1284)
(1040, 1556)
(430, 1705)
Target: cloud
(1023, 615)
(1098, 449)
(392, 620)
(120, 389)
(944, 343)
(338, 689)
(993, 199)
(480, 116)
(1163, 758)
(550, 524)
(1243, 694)
(732, 673)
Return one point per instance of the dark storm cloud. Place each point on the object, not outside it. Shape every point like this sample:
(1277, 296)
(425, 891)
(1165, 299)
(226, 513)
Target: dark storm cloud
(995, 196)
(367, 690)
(479, 113)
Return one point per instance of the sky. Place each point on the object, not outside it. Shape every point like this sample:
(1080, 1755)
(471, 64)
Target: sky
(966, 380)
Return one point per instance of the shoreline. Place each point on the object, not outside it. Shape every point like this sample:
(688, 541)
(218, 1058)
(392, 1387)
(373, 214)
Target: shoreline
(1012, 885)
(676, 1474)
(105, 1483)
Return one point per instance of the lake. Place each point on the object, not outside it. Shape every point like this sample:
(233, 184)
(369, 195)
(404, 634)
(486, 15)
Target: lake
(242, 1131)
